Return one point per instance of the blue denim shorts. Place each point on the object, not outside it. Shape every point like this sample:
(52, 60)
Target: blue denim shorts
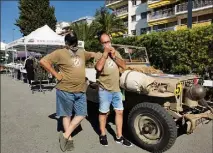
(68, 103)
(106, 98)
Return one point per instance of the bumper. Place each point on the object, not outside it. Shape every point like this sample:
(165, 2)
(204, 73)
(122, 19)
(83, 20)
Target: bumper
(193, 120)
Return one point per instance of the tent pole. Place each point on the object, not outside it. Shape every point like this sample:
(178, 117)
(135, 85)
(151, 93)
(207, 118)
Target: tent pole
(25, 49)
(13, 54)
(5, 56)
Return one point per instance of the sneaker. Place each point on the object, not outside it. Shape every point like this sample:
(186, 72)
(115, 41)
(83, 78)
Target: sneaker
(103, 140)
(70, 145)
(63, 142)
(123, 141)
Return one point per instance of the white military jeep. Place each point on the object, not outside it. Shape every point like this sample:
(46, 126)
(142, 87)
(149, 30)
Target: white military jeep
(157, 103)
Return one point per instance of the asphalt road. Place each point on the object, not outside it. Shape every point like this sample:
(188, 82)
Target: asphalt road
(28, 126)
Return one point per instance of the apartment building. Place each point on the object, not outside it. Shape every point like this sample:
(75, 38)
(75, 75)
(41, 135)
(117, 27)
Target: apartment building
(120, 9)
(172, 14)
(61, 27)
(137, 17)
(145, 16)
(86, 19)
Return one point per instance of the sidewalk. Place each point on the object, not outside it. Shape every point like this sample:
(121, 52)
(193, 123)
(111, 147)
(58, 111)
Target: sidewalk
(27, 127)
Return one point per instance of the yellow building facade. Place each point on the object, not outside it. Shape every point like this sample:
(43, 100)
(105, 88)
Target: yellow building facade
(172, 14)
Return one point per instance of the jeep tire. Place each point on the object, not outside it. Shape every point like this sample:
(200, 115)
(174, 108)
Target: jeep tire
(152, 127)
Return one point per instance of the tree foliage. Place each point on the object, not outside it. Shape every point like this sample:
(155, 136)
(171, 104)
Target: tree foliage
(84, 31)
(104, 20)
(35, 14)
(107, 21)
(178, 52)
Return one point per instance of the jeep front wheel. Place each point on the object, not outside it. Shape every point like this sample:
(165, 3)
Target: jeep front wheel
(152, 127)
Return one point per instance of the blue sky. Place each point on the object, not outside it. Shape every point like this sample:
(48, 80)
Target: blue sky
(64, 11)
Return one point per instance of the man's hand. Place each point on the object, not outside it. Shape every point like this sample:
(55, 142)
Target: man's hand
(59, 76)
(47, 65)
(106, 52)
(112, 52)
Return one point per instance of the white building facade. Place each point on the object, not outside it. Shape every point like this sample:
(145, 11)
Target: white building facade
(86, 19)
(61, 27)
(144, 16)
(137, 17)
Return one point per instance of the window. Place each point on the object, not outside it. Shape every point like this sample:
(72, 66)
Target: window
(205, 17)
(144, 15)
(133, 32)
(143, 1)
(134, 2)
(171, 24)
(134, 18)
(145, 30)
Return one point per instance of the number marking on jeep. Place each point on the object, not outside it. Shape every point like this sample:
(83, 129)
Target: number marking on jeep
(178, 89)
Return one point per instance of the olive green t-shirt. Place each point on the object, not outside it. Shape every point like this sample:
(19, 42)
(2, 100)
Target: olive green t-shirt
(109, 77)
(72, 68)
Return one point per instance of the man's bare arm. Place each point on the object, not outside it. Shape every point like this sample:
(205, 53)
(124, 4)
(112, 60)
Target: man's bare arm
(47, 65)
(100, 64)
(121, 63)
(90, 54)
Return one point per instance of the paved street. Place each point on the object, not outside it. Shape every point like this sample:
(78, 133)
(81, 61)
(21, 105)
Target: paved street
(28, 126)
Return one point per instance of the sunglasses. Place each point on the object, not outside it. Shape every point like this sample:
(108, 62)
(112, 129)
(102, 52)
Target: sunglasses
(106, 42)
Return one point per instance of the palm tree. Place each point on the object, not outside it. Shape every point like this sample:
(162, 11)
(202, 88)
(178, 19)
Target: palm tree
(104, 20)
(84, 31)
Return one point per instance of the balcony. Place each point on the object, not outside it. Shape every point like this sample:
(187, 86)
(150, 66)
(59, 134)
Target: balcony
(197, 24)
(121, 12)
(158, 3)
(113, 4)
(165, 29)
(152, 1)
(108, 2)
(157, 15)
(196, 5)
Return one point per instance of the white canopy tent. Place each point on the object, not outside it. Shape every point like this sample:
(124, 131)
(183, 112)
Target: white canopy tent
(43, 40)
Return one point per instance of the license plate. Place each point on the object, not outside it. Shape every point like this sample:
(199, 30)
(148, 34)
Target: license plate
(199, 121)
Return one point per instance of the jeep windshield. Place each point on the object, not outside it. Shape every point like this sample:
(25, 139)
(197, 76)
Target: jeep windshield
(132, 54)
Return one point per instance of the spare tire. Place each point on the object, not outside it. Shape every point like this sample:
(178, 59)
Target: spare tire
(152, 127)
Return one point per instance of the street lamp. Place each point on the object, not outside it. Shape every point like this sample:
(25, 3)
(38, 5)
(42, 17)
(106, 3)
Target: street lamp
(12, 46)
(189, 7)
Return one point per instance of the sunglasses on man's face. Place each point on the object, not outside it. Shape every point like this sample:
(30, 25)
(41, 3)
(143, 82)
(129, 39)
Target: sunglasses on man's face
(106, 42)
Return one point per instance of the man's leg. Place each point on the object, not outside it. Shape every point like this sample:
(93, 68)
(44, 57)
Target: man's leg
(66, 122)
(102, 122)
(80, 108)
(104, 105)
(64, 107)
(72, 126)
(119, 122)
(118, 106)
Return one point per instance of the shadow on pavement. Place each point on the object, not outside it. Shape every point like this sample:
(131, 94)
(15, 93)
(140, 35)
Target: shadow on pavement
(93, 119)
(60, 125)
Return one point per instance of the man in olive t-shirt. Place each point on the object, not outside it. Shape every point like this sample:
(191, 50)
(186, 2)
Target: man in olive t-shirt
(108, 77)
(70, 90)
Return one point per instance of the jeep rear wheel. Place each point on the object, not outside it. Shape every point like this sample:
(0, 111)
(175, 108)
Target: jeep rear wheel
(152, 127)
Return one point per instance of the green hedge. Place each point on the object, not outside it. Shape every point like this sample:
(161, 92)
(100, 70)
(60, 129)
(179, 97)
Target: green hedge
(178, 52)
